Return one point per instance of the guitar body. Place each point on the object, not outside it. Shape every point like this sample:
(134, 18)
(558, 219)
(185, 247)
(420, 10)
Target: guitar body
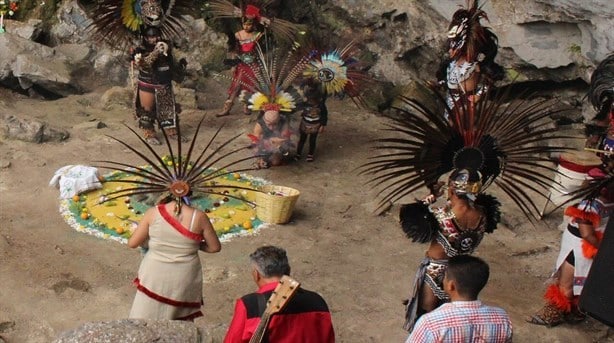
(284, 291)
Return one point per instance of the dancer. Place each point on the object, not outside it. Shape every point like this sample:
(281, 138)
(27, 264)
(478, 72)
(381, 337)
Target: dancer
(600, 132)
(427, 146)
(242, 47)
(579, 244)
(242, 54)
(469, 68)
(271, 139)
(314, 119)
(588, 219)
(155, 24)
(154, 99)
(169, 280)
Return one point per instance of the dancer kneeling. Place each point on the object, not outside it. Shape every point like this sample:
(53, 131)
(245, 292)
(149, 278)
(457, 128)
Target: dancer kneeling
(271, 139)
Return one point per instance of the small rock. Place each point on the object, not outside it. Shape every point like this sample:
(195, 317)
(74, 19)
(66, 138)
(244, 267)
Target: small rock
(87, 125)
(5, 164)
(5, 326)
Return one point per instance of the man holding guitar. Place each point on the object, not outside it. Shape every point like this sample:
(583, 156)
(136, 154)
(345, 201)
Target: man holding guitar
(280, 311)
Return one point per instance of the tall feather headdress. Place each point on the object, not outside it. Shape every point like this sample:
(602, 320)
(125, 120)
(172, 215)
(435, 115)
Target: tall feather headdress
(467, 36)
(281, 29)
(184, 176)
(120, 22)
(508, 144)
(273, 74)
(338, 71)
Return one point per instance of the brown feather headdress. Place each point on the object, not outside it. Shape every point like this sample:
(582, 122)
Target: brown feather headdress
(183, 176)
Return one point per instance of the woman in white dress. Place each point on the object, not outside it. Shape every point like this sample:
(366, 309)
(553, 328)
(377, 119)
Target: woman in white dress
(169, 281)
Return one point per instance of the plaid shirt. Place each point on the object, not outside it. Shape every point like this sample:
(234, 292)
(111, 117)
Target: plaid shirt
(463, 321)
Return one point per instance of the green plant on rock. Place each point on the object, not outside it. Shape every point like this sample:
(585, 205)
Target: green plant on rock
(575, 48)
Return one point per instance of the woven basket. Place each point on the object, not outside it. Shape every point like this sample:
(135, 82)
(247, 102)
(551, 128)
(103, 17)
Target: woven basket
(276, 209)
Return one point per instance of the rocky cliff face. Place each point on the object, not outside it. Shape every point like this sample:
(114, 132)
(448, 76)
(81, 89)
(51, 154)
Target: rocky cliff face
(540, 42)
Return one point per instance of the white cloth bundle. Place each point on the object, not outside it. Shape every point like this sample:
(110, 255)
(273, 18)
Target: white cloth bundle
(74, 180)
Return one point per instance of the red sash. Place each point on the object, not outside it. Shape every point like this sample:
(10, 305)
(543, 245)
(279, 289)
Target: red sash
(177, 225)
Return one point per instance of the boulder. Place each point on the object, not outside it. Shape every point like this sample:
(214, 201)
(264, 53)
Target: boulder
(31, 30)
(134, 331)
(34, 64)
(30, 130)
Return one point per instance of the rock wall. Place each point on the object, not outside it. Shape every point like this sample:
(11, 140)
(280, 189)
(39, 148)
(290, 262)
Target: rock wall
(539, 42)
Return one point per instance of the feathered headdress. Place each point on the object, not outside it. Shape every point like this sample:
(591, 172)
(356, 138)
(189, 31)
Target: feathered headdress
(281, 29)
(183, 176)
(601, 96)
(273, 74)
(338, 71)
(601, 92)
(467, 37)
(506, 144)
(119, 22)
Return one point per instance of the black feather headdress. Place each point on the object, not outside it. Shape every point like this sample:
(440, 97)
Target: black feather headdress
(601, 92)
(509, 144)
(183, 176)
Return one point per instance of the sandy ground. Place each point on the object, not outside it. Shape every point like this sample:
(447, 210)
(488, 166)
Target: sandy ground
(53, 278)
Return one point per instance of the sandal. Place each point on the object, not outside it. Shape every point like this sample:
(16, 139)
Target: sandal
(153, 140)
(226, 109)
(309, 158)
(548, 316)
(297, 157)
(150, 137)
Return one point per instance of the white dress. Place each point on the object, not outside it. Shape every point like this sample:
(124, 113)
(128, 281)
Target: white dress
(170, 277)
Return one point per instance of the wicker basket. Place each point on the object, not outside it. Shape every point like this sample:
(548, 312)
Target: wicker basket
(277, 208)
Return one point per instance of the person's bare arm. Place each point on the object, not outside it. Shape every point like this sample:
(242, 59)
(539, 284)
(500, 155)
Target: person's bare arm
(211, 243)
(141, 233)
(258, 131)
(587, 231)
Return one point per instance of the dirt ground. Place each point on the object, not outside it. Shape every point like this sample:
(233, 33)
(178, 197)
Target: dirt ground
(53, 278)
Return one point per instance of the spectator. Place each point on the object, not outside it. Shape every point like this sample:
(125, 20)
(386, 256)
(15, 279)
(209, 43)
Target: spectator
(465, 318)
(305, 318)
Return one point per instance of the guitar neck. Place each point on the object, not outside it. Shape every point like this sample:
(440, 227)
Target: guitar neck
(261, 329)
(280, 296)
